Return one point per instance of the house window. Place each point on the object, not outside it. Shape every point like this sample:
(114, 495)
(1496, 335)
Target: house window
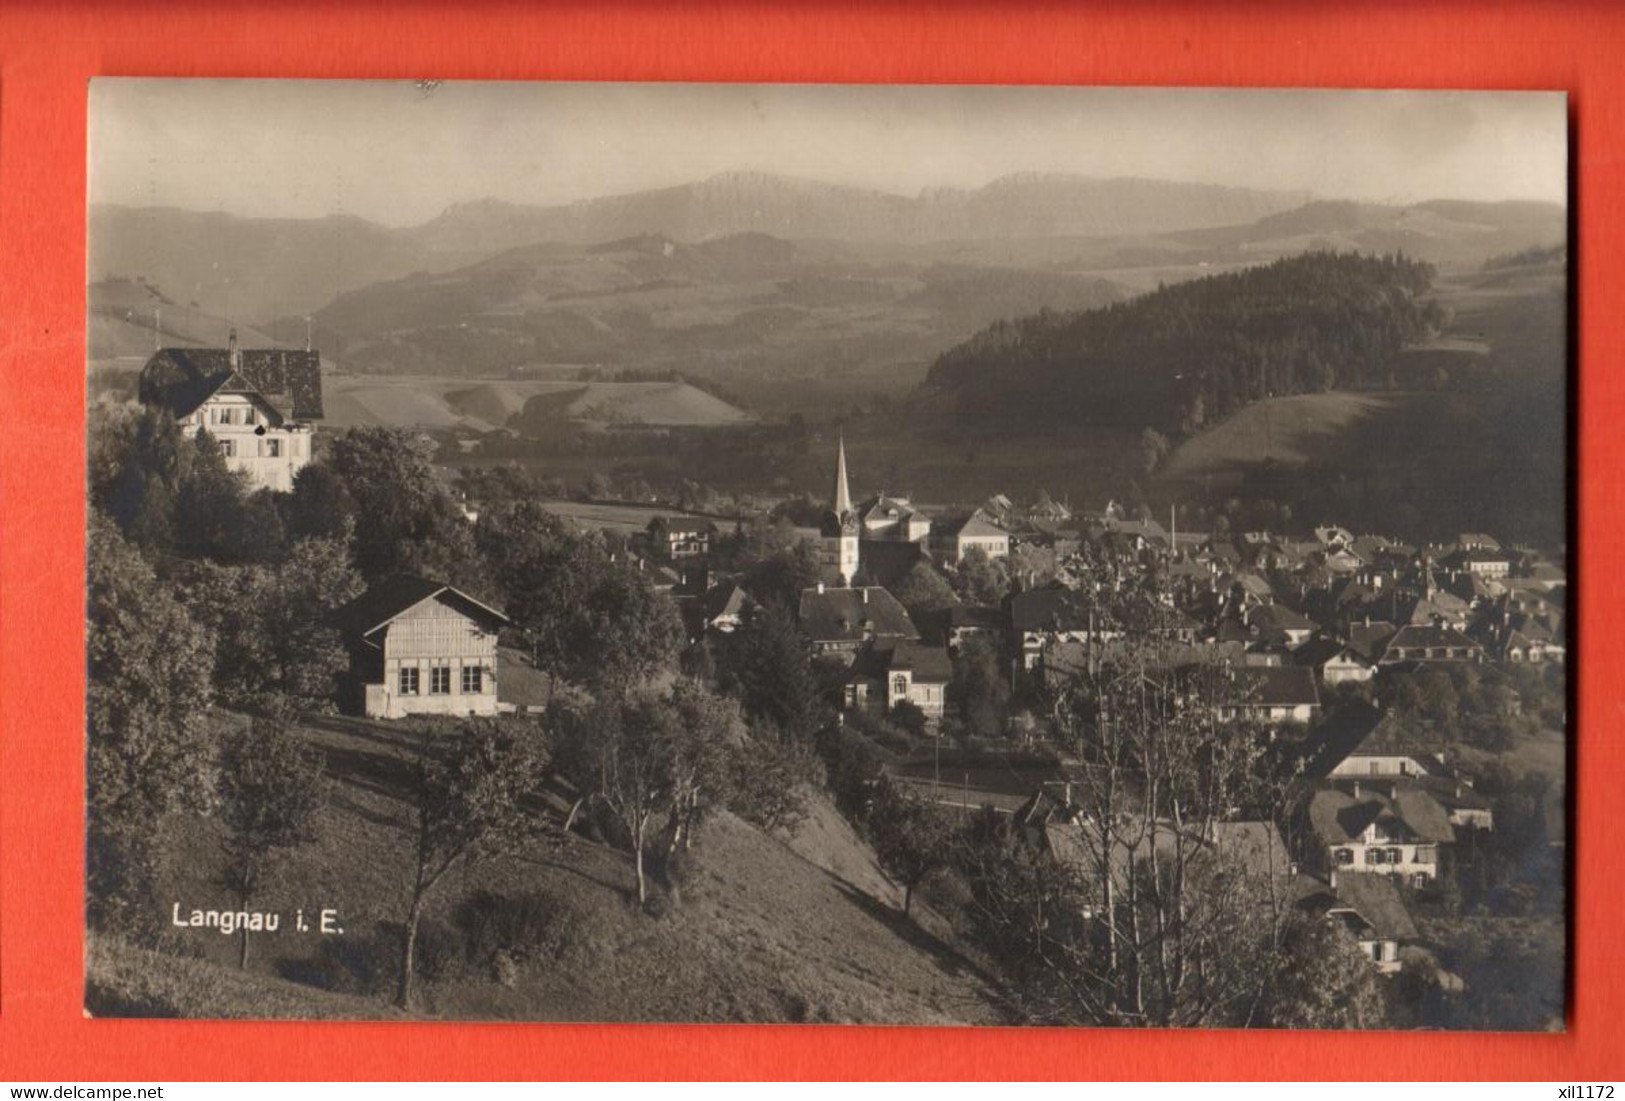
(473, 682)
(1427, 854)
(899, 686)
(1419, 881)
(1374, 856)
(440, 680)
(249, 416)
(1396, 856)
(228, 448)
(409, 681)
(273, 449)
(1345, 856)
(1376, 768)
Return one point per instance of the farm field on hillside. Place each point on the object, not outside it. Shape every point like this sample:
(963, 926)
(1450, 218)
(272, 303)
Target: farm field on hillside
(416, 401)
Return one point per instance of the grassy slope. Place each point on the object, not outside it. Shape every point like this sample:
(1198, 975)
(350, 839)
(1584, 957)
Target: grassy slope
(756, 932)
(1291, 430)
(122, 980)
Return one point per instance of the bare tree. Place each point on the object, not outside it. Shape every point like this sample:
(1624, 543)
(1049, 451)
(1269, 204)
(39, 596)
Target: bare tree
(472, 801)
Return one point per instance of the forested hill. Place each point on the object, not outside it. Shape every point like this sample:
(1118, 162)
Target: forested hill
(1187, 353)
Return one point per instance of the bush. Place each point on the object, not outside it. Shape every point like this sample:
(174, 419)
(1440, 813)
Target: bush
(519, 930)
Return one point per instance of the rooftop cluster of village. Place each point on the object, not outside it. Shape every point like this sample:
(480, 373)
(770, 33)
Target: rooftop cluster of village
(1318, 636)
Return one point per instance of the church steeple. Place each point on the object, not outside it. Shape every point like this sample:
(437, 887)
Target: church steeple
(843, 497)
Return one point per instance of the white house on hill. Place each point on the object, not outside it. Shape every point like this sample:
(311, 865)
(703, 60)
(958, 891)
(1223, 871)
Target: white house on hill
(258, 403)
(420, 647)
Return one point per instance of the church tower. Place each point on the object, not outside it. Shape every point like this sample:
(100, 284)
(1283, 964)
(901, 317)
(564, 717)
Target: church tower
(840, 526)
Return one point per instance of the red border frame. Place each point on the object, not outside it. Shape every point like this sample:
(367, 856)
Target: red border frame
(47, 51)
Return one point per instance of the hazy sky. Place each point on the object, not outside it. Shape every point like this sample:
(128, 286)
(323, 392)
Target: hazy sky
(398, 154)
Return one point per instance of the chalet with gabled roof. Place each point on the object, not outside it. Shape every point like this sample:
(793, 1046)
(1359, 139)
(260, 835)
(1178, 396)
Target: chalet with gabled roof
(421, 647)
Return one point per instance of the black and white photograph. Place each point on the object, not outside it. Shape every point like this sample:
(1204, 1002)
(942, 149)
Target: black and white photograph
(827, 554)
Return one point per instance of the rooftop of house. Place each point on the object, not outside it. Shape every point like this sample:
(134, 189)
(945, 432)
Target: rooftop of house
(1340, 813)
(1359, 729)
(683, 525)
(850, 615)
(182, 379)
(977, 525)
(1373, 900)
(391, 598)
(1053, 608)
(1416, 636)
(1276, 686)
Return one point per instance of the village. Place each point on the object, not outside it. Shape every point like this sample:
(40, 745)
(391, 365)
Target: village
(988, 668)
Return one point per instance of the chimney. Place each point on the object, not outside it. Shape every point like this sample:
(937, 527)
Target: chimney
(1356, 789)
(232, 354)
(865, 595)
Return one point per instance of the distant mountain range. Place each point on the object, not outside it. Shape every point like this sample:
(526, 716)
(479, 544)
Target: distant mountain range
(258, 268)
(743, 274)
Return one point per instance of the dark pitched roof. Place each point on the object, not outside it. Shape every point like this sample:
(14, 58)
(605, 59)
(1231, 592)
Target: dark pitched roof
(1358, 728)
(1376, 899)
(976, 524)
(1415, 636)
(1050, 609)
(927, 663)
(1276, 686)
(388, 599)
(840, 615)
(181, 379)
(1338, 816)
(683, 525)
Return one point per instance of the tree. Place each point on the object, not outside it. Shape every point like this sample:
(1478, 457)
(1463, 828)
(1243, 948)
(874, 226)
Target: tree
(583, 616)
(923, 589)
(769, 660)
(980, 689)
(472, 793)
(320, 505)
(147, 694)
(910, 838)
(271, 788)
(1323, 980)
(1154, 448)
(407, 520)
(1176, 934)
(272, 623)
(981, 580)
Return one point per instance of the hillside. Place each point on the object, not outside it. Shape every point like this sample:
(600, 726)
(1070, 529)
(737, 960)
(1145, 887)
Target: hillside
(121, 315)
(1199, 350)
(749, 305)
(1475, 433)
(755, 931)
